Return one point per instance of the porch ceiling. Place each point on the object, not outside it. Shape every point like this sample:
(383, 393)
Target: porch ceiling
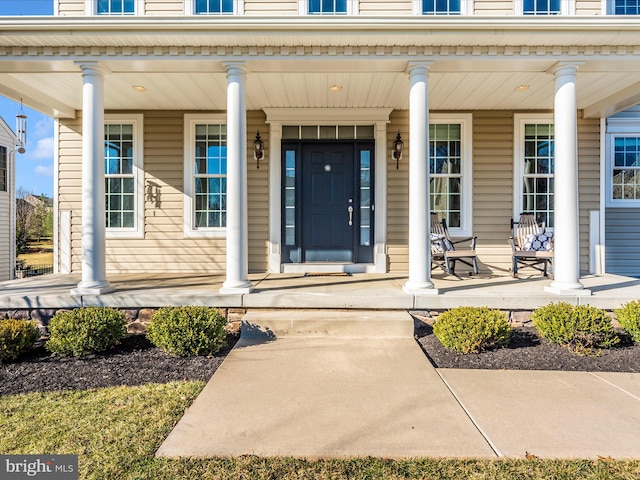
(477, 62)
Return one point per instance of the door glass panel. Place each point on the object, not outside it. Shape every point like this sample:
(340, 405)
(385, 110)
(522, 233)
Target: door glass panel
(290, 198)
(365, 198)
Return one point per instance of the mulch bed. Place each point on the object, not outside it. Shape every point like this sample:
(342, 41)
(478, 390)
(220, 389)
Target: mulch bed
(527, 351)
(136, 361)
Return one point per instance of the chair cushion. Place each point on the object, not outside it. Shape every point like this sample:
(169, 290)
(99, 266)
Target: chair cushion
(440, 244)
(538, 242)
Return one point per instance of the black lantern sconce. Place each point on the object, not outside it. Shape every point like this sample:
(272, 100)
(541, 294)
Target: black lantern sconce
(258, 149)
(398, 145)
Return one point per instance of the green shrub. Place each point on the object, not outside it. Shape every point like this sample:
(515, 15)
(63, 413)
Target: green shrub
(472, 329)
(85, 330)
(581, 328)
(188, 331)
(629, 317)
(16, 338)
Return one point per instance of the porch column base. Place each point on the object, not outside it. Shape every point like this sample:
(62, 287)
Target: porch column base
(419, 288)
(575, 289)
(231, 288)
(92, 288)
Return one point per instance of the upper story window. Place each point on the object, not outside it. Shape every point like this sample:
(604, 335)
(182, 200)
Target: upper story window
(213, 7)
(624, 7)
(328, 7)
(116, 7)
(3, 169)
(541, 7)
(441, 7)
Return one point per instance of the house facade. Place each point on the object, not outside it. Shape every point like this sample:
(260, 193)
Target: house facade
(7, 202)
(501, 107)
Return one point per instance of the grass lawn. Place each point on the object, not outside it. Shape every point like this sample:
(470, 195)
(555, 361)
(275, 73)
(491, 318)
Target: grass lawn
(116, 431)
(38, 253)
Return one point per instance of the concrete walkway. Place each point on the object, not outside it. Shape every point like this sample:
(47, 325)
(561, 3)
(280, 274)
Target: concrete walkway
(322, 386)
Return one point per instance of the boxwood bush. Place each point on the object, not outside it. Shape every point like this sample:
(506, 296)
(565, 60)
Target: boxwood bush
(472, 329)
(85, 330)
(188, 331)
(16, 337)
(581, 328)
(629, 318)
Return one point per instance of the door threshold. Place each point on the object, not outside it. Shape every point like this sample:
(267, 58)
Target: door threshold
(319, 268)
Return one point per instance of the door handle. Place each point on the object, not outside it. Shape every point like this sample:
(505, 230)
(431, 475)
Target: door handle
(350, 210)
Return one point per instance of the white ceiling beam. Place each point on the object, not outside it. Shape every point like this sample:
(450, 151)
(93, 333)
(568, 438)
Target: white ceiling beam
(621, 100)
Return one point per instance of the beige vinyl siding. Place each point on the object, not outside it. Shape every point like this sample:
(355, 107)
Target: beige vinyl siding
(493, 7)
(164, 248)
(164, 7)
(391, 7)
(588, 180)
(70, 8)
(588, 7)
(398, 195)
(266, 7)
(5, 212)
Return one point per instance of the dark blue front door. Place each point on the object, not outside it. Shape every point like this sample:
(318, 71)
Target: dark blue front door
(328, 203)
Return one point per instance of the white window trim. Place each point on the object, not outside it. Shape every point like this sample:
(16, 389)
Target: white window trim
(466, 8)
(520, 120)
(91, 8)
(190, 121)
(238, 8)
(618, 127)
(353, 8)
(465, 120)
(137, 120)
(567, 7)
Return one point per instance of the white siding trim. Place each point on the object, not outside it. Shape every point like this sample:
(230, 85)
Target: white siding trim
(190, 121)
(137, 120)
(603, 196)
(56, 198)
(617, 127)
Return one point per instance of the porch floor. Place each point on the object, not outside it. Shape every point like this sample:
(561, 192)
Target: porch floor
(359, 291)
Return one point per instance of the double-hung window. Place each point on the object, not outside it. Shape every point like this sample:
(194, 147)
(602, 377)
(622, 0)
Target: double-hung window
(115, 7)
(328, 7)
(450, 170)
(124, 208)
(205, 176)
(214, 7)
(545, 7)
(534, 167)
(623, 162)
(4, 177)
(623, 7)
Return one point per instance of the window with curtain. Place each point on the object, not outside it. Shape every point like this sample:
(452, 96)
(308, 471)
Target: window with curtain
(538, 171)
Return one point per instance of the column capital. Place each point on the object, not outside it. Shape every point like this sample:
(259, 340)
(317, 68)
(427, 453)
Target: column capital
(235, 68)
(564, 68)
(92, 68)
(419, 67)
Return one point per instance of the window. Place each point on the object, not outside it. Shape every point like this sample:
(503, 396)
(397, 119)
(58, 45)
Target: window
(450, 171)
(541, 7)
(328, 7)
(441, 7)
(205, 176)
(3, 169)
(208, 7)
(115, 7)
(623, 162)
(624, 7)
(123, 176)
(534, 182)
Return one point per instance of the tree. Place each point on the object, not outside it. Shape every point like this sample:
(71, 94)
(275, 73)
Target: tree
(34, 218)
(24, 220)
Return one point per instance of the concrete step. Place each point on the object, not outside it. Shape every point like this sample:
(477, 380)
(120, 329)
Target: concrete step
(272, 323)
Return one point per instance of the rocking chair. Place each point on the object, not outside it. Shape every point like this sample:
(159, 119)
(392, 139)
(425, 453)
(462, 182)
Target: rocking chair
(531, 246)
(443, 248)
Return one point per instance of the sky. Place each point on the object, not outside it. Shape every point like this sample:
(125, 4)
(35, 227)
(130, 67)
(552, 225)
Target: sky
(34, 168)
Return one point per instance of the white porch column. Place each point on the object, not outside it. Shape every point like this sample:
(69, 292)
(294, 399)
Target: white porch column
(237, 225)
(94, 280)
(566, 261)
(419, 282)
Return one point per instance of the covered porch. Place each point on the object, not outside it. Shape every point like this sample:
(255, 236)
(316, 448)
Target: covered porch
(300, 291)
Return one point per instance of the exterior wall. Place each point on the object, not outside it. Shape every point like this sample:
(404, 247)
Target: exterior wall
(588, 7)
(266, 7)
(493, 166)
(70, 8)
(493, 7)
(391, 7)
(622, 255)
(7, 227)
(163, 248)
(164, 7)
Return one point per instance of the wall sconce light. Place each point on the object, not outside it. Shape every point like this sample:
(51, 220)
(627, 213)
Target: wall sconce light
(398, 145)
(258, 149)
